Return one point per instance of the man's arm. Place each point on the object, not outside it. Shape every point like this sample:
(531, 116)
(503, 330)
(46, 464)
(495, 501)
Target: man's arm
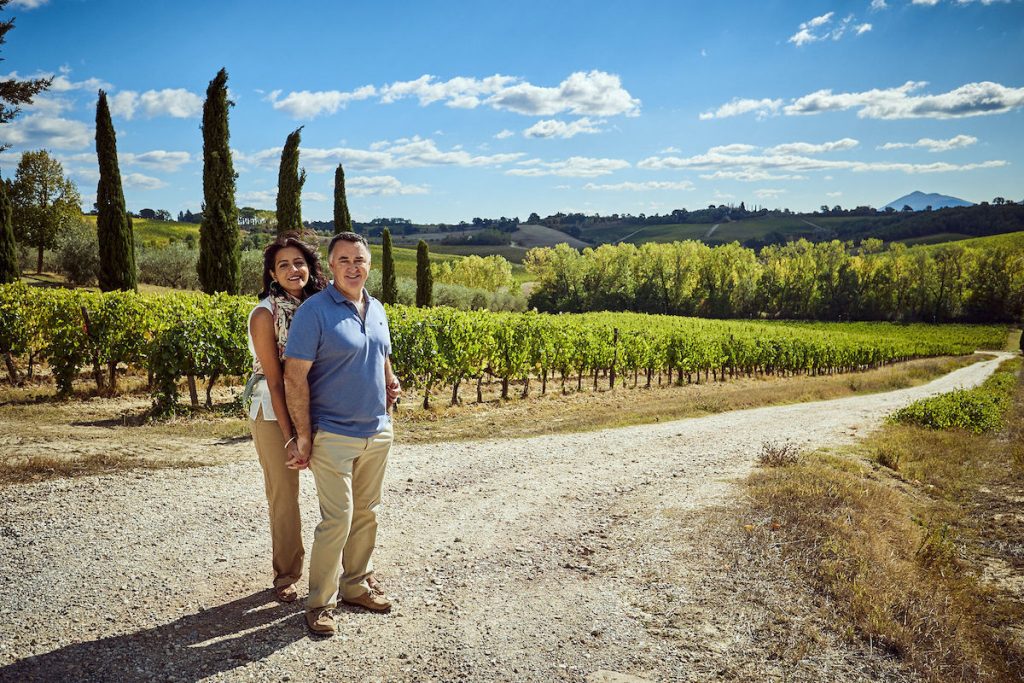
(296, 391)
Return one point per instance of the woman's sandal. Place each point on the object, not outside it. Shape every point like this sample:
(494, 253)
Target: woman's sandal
(286, 593)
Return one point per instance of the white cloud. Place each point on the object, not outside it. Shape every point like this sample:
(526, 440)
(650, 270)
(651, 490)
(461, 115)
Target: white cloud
(794, 164)
(157, 159)
(506, 133)
(28, 4)
(735, 148)
(682, 185)
(738, 106)
(834, 195)
(750, 176)
(573, 167)
(878, 5)
(929, 3)
(670, 150)
(932, 145)
(82, 174)
(805, 34)
(314, 197)
(142, 182)
(53, 132)
(970, 99)
(51, 106)
(175, 102)
(767, 193)
(61, 82)
(593, 93)
(257, 197)
(308, 105)
(812, 148)
(460, 92)
(416, 151)
(822, 27)
(123, 104)
(383, 185)
(552, 128)
(403, 153)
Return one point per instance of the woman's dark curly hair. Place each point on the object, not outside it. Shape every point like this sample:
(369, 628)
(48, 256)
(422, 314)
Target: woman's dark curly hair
(317, 279)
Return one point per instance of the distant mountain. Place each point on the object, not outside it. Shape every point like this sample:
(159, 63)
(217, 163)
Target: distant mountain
(919, 201)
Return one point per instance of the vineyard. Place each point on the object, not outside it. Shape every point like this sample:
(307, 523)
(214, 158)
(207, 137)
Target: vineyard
(195, 337)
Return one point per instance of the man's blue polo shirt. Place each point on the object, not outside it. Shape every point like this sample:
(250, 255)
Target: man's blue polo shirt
(347, 393)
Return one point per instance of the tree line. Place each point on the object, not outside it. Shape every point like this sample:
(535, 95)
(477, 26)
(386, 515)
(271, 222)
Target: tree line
(798, 280)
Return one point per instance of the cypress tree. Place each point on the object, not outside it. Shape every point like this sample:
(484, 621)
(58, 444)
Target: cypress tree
(113, 228)
(342, 218)
(9, 271)
(424, 278)
(220, 257)
(389, 282)
(289, 185)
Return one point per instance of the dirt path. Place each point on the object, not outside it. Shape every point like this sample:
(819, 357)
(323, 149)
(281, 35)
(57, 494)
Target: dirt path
(548, 558)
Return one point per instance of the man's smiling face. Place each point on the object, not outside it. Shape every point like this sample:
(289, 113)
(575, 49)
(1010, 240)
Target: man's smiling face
(350, 264)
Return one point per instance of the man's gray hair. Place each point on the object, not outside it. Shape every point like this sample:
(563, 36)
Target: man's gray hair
(347, 237)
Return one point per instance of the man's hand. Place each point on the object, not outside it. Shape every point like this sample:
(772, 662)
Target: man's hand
(394, 390)
(299, 452)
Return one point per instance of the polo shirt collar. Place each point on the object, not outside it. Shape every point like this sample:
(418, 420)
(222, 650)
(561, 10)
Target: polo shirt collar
(340, 298)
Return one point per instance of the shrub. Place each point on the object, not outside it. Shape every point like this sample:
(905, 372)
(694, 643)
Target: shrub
(978, 410)
(170, 266)
(252, 272)
(778, 454)
(78, 254)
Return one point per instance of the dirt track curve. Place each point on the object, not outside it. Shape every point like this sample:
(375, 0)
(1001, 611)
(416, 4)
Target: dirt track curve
(563, 557)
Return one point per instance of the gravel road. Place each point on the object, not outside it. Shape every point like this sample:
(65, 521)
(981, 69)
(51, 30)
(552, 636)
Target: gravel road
(594, 556)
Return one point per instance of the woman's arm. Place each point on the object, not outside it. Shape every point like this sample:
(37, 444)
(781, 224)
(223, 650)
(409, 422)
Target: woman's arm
(261, 327)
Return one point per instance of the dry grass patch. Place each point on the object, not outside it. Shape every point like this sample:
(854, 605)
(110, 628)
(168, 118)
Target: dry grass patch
(900, 535)
(41, 467)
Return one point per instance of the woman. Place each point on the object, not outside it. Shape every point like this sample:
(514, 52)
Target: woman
(291, 273)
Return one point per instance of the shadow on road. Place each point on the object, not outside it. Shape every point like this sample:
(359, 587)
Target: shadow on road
(196, 646)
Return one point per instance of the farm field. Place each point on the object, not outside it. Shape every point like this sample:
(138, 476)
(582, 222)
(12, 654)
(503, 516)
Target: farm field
(514, 255)
(667, 520)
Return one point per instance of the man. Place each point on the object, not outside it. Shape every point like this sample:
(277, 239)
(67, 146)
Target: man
(338, 385)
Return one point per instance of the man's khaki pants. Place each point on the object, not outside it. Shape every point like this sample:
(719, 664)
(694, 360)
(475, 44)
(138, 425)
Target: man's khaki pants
(349, 475)
(282, 486)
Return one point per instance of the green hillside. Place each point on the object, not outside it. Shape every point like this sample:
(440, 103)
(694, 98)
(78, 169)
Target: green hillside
(151, 232)
(1012, 240)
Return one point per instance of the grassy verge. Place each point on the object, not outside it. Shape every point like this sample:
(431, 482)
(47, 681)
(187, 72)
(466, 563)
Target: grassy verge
(915, 537)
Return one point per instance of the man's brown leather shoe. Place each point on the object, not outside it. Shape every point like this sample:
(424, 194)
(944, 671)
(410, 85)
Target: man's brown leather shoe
(371, 601)
(321, 621)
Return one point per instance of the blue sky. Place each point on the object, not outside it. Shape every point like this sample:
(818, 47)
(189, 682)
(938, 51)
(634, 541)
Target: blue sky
(443, 111)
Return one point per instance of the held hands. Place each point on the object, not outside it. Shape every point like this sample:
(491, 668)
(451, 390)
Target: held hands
(297, 451)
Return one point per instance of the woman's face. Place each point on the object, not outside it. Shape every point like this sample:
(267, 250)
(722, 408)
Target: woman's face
(290, 271)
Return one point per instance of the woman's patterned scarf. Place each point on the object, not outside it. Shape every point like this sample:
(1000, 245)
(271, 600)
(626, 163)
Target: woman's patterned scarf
(283, 307)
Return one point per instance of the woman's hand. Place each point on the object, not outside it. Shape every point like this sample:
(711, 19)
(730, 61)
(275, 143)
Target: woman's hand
(295, 460)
